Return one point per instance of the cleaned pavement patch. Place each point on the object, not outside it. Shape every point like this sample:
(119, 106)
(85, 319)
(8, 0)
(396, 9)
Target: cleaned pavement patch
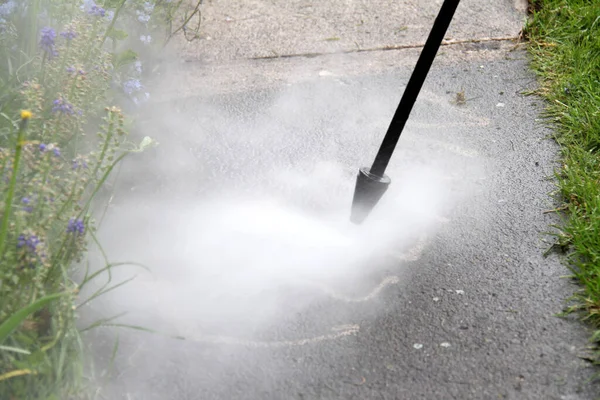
(467, 310)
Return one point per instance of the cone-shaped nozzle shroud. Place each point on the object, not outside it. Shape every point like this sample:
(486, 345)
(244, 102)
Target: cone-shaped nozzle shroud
(369, 190)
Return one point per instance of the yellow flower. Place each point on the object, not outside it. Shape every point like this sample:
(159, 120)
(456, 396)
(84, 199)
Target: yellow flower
(26, 114)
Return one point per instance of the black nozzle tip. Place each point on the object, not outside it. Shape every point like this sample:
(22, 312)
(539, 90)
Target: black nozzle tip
(369, 190)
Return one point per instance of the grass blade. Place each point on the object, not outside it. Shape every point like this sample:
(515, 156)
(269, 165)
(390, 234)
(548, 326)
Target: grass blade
(14, 320)
(15, 350)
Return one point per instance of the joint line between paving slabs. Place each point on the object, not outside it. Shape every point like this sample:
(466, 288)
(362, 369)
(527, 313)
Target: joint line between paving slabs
(387, 48)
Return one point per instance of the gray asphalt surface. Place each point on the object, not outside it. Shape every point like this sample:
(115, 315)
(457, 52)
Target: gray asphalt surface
(469, 315)
(241, 215)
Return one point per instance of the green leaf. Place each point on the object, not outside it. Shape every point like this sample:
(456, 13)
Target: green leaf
(14, 349)
(36, 358)
(9, 119)
(117, 34)
(124, 58)
(146, 142)
(24, 339)
(12, 322)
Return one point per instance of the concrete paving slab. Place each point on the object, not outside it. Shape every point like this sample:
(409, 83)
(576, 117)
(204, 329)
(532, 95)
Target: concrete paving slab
(176, 80)
(270, 28)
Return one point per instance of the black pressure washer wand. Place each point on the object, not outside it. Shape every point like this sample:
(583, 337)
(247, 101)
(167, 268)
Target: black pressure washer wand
(372, 183)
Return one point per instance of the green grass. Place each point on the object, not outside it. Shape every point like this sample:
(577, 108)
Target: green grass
(564, 41)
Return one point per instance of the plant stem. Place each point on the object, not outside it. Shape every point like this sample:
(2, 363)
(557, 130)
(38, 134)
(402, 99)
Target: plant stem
(11, 187)
(112, 23)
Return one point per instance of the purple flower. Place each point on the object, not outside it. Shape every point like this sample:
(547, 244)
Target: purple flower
(56, 151)
(30, 242)
(132, 85)
(63, 107)
(27, 202)
(32, 245)
(69, 35)
(144, 15)
(78, 163)
(138, 66)
(76, 226)
(148, 7)
(143, 18)
(48, 37)
(6, 10)
(70, 69)
(97, 11)
(92, 8)
(43, 147)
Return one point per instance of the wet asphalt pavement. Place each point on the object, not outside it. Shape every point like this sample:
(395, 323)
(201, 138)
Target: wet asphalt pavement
(462, 309)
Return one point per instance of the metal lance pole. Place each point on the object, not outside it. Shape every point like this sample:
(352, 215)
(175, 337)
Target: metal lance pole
(372, 183)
